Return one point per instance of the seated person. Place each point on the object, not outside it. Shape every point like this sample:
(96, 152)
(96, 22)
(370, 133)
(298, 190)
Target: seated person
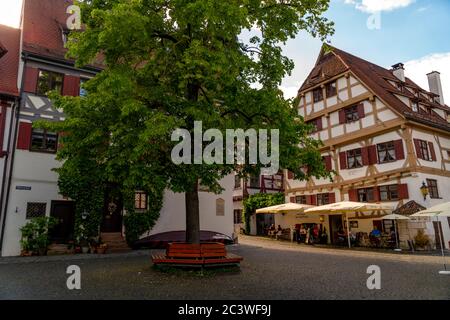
(375, 236)
(341, 236)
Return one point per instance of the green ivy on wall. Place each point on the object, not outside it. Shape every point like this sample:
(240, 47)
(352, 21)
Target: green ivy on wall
(257, 201)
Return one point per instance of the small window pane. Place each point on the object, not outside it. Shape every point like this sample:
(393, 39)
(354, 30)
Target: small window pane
(35, 210)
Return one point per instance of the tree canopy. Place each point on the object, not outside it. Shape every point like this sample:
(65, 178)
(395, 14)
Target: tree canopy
(169, 63)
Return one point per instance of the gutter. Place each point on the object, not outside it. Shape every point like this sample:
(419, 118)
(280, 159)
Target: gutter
(12, 140)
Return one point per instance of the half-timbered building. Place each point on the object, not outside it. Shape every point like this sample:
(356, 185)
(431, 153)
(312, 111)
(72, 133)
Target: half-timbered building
(384, 137)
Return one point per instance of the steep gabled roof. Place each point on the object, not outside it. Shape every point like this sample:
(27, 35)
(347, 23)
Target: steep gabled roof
(42, 21)
(9, 60)
(378, 80)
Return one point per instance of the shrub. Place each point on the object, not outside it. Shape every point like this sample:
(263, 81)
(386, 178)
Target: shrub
(421, 239)
(35, 235)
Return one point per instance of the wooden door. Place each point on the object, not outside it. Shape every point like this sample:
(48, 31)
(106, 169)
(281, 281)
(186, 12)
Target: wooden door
(112, 213)
(64, 213)
(438, 234)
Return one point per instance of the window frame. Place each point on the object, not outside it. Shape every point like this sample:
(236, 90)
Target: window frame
(388, 146)
(365, 192)
(141, 194)
(425, 150)
(352, 154)
(433, 190)
(45, 133)
(50, 82)
(318, 97)
(353, 112)
(302, 201)
(253, 179)
(322, 199)
(389, 192)
(327, 89)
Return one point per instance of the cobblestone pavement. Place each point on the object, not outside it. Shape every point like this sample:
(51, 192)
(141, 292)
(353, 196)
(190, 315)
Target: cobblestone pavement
(270, 270)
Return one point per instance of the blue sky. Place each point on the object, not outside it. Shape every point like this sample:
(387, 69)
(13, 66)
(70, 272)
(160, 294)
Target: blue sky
(415, 32)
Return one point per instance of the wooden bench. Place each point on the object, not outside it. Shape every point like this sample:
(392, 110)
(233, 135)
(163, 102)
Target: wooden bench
(204, 254)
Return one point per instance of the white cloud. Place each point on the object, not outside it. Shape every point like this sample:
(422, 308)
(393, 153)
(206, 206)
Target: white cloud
(372, 6)
(417, 71)
(10, 12)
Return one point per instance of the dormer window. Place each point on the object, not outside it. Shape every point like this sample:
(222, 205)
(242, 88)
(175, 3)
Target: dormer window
(415, 107)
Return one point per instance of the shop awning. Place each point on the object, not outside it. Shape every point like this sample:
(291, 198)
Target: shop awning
(348, 207)
(285, 208)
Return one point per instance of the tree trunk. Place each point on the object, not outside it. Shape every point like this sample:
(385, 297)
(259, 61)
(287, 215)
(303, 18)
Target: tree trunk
(192, 216)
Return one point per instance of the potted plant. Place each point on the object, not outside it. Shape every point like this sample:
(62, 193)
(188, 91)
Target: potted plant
(101, 249)
(421, 240)
(35, 236)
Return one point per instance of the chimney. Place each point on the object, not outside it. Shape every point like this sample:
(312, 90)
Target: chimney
(399, 71)
(434, 81)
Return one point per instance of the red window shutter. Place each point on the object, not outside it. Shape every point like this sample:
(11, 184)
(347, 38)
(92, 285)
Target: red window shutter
(372, 154)
(24, 138)
(365, 156)
(403, 191)
(290, 175)
(342, 116)
(432, 152)
(308, 200)
(343, 160)
(399, 152)
(313, 200)
(292, 199)
(31, 78)
(376, 194)
(332, 197)
(319, 125)
(361, 113)
(418, 150)
(353, 195)
(71, 86)
(328, 164)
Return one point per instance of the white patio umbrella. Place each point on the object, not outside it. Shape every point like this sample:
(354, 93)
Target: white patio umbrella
(347, 207)
(395, 217)
(285, 208)
(440, 210)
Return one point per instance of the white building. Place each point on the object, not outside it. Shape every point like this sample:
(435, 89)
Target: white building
(383, 135)
(30, 186)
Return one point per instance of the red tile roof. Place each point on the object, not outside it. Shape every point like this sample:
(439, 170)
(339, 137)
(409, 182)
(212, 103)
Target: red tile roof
(377, 79)
(9, 60)
(43, 23)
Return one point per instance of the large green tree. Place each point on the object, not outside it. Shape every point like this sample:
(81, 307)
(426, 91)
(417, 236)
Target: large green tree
(169, 63)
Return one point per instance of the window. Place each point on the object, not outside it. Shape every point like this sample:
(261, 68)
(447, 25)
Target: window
(331, 89)
(220, 207)
(433, 188)
(386, 152)
(317, 124)
(140, 200)
(323, 198)
(237, 182)
(237, 216)
(388, 193)
(415, 107)
(36, 210)
(254, 182)
(317, 94)
(43, 141)
(300, 199)
(366, 195)
(83, 92)
(423, 146)
(354, 159)
(49, 81)
(351, 114)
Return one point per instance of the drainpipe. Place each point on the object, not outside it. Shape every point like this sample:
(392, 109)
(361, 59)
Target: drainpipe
(12, 140)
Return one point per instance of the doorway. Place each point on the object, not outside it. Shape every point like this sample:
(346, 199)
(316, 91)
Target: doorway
(335, 224)
(438, 234)
(112, 212)
(263, 222)
(64, 213)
